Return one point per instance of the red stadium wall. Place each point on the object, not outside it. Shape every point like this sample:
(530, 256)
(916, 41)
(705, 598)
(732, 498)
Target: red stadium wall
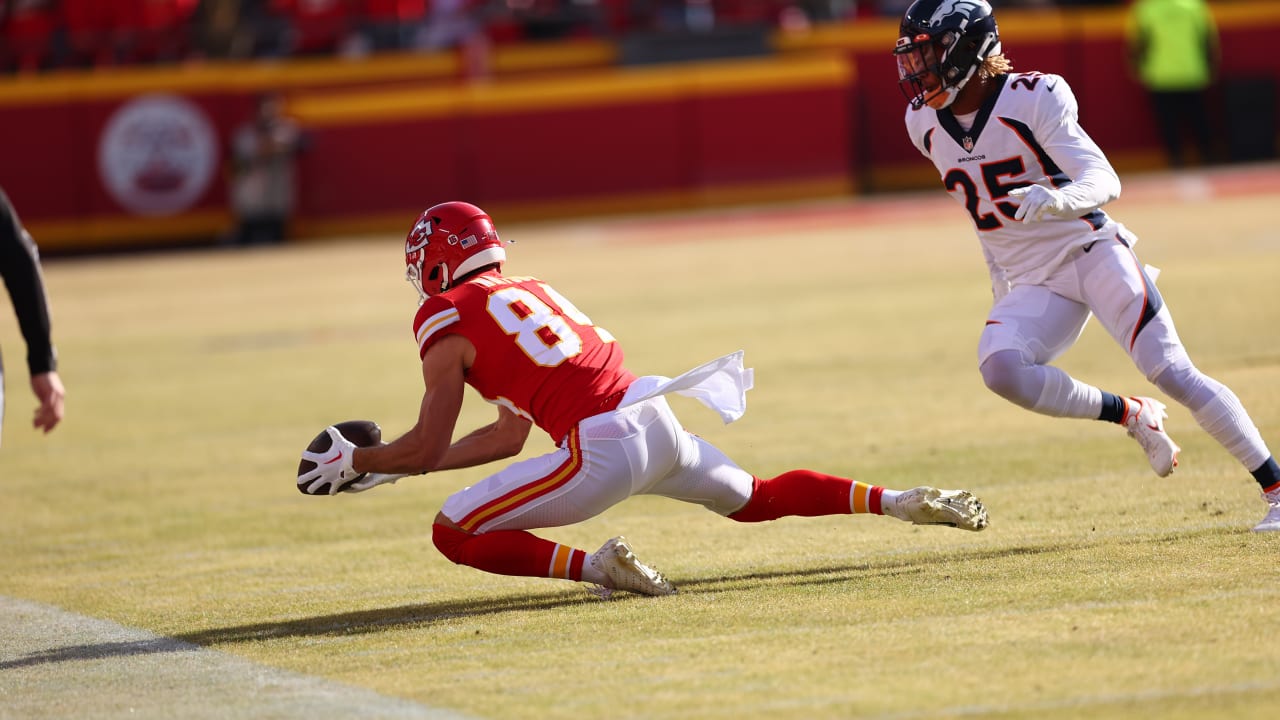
(609, 141)
(556, 131)
(597, 141)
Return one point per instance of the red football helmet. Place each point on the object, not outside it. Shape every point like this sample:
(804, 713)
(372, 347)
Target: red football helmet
(448, 241)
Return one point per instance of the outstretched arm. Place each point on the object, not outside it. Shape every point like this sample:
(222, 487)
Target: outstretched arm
(499, 439)
(427, 445)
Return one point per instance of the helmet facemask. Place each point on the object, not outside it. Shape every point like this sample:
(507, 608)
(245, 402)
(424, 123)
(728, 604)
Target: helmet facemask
(415, 255)
(940, 47)
(414, 274)
(920, 74)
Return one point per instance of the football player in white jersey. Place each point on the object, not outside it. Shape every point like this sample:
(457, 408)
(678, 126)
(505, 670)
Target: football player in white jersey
(1008, 146)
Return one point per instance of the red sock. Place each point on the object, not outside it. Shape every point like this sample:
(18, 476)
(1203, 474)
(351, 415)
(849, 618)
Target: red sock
(509, 552)
(808, 494)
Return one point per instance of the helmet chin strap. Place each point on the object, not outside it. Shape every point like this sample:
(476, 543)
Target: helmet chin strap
(445, 280)
(945, 96)
(942, 99)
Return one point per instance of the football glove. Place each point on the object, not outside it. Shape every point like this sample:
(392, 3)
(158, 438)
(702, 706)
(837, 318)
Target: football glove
(372, 480)
(333, 467)
(1038, 201)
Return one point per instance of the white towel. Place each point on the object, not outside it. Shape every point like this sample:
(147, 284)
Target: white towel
(721, 385)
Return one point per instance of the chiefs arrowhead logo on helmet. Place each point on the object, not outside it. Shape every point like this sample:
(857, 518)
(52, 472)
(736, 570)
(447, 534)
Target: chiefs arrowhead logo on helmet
(419, 236)
(447, 242)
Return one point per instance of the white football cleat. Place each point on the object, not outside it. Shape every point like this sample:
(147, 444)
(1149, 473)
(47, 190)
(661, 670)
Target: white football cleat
(1270, 523)
(1144, 420)
(617, 560)
(931, 506)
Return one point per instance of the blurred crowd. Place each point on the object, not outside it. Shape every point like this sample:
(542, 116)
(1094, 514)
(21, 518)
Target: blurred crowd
(43, 34)
(38, 35)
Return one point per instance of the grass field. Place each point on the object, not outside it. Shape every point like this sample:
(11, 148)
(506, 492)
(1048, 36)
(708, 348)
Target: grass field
(165, 500)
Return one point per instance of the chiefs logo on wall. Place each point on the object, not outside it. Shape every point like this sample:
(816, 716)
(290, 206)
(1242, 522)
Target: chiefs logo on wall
(157, 155)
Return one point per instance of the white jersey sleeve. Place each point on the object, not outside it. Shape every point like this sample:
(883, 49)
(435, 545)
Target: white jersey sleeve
(1093, 182)
(1027, 132)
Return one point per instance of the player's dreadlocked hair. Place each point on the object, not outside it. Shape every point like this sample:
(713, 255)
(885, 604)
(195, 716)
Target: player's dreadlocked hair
(995, 65)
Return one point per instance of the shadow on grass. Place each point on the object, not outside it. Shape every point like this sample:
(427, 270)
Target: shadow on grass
(98, 651)
(424, 614)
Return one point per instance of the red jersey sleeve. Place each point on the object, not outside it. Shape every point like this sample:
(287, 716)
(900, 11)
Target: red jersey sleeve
(433, 316)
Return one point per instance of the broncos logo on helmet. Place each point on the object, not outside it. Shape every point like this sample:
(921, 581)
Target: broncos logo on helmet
(964, 8)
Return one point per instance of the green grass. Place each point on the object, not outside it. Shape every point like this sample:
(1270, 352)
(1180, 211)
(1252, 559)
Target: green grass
(165, 500)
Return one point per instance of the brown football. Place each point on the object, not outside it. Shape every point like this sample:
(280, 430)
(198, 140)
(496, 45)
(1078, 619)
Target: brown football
(364, 433)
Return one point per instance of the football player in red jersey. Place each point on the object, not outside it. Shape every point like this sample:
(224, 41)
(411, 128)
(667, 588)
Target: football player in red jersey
(528, 350)
(1009, 147)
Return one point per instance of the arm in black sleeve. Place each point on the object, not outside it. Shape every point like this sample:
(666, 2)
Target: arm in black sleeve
(20, 265)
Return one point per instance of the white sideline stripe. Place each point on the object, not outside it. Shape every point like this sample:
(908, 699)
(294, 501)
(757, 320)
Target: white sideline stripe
(56, 664)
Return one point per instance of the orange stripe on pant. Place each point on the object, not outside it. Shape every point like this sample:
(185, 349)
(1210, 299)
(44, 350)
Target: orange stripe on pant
(866, 498)
(531, 491)
(861, 492)
(560, 562)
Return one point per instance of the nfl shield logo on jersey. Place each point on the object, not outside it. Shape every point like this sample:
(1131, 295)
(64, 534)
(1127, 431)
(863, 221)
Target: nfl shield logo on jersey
(968, 144)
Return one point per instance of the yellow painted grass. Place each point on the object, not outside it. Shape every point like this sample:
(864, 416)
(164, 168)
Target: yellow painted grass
(165, 501)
